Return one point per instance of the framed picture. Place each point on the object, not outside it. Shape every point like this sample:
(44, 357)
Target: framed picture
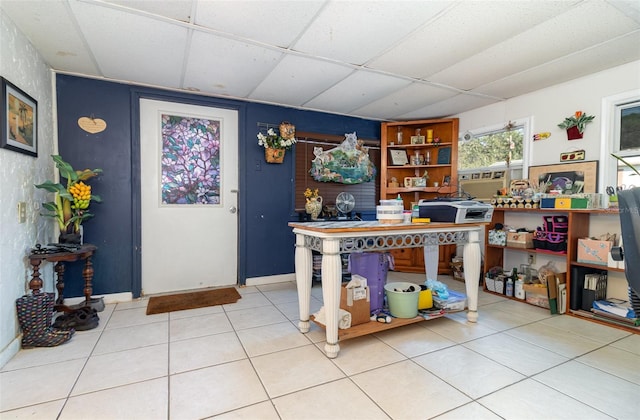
(570, 178)
(486, 175)
(19, 120)
(399, 157)
(446, 180)
(475, 175)
(417, 139)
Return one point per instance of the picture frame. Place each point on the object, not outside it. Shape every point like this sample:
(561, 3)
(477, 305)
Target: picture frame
(570, 178)
(19, 120)
(417, 139)
(399, 157)
(446, 180)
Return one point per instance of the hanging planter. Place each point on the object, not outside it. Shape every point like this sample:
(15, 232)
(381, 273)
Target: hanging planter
(575, 124)
(573, 133)
(274, 155)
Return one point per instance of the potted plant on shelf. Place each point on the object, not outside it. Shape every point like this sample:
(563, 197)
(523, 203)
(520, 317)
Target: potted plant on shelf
(70, 207)
(575, 124)
(276, 144)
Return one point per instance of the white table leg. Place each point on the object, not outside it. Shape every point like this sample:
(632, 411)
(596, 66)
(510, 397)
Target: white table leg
(471, 261)
(303, 262)
(431, 255)
(331, 282)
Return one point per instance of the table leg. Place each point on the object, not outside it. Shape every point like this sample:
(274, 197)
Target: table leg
(331, 283)
(35, 284)
(87, 274)
(471, 261)
(303, 262)
(59, 268)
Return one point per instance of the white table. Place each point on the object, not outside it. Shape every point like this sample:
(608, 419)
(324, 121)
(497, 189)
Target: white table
(332, 239)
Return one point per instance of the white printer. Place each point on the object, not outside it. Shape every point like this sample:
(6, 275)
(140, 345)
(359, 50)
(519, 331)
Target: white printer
(455, 210)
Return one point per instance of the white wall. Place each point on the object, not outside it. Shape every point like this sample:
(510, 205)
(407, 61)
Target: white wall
(22, 65)
(547, 108)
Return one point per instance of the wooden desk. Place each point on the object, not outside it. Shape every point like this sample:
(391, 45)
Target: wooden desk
(334, 238)
(85, 252)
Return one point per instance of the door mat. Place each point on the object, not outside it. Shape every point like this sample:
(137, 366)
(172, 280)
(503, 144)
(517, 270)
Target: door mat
(192, 300)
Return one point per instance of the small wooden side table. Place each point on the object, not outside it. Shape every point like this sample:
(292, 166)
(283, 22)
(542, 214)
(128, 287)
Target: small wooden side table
(85, 252)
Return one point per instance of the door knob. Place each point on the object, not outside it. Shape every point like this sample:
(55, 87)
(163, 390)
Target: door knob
(233, 209)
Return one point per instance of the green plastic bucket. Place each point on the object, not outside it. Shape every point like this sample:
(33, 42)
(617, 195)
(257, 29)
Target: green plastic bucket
(402, 304)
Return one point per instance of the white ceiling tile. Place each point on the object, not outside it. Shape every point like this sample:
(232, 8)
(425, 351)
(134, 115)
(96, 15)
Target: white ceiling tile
(295, 80)
(410, 98)
(448, 107)
(583, 26)
(222, 66)
(272, 22)
(356, 31)
(173, 9)
(355, 91)
(60, 44)
(149, 51)
(461, 32)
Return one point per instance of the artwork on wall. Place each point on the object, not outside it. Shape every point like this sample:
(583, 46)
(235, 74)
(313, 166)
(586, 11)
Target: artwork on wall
(347, 163)
(568, 178)
(19, 120)
(190, 160)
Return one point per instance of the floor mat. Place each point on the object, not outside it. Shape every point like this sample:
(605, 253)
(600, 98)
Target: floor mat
(192, 300)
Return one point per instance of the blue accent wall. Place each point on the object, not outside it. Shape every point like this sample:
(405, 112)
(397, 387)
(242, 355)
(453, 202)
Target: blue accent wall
(265, 202)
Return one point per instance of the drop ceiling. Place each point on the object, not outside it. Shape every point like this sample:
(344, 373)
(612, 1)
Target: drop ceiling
(382, 60)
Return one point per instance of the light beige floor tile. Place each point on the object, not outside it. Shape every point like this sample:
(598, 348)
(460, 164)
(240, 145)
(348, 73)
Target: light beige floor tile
(295, 369)
(335, 400)
(485, 299)
(189, 313)
(257, 317)
(271, 338)
(316, 334)
(585, 328)
(316, 291)
(289, 294)
(245, 290)
(617, 362)
(405, 390)
(291, 310)
(248, 301)
(516, 354)
(214, 390)
(200, 352)
(514, 307)
(104, 317)
(79, 347)
(36, 385)
(500, 320)
(473, 410)
(467, 370)
(558, 341)
(414, 340)
(199, 326)
(607, 393)
(457, 329)
(283, 285)
(140, 401)
(364, 353)
(126, 338)
(263, 411)
(532, 400)
(133, 304)
(44, 411)
(122, 368)
(630, 343)
(135, 316)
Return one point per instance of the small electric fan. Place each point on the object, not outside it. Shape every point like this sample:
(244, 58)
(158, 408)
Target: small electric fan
(345, 203)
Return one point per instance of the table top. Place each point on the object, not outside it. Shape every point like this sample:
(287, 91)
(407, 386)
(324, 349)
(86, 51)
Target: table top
(375, 226)
(84, 251)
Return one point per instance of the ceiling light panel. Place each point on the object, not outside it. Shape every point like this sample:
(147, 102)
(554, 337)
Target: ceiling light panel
(226, 67)
(276, 23)
(295, 80)
(357, 90)
(346, 30)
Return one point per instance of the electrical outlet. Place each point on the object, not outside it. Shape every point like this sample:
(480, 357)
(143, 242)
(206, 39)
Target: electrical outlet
(531, 259)
(22, 212)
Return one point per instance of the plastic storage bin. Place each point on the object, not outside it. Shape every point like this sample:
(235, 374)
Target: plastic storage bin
(374, 266)
(402, 304)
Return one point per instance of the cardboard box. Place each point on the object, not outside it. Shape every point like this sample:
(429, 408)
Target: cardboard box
(356, 302)
(593, 251)
(520, 239)
(536, 294)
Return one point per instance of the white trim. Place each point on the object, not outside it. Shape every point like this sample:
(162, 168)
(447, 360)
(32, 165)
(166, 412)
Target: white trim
(110, 298)
(280, 278)
(11, 350)
(608, 165)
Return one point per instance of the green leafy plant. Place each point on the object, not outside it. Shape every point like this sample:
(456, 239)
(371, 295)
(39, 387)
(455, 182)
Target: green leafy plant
(630, 166)
(579, 119)
(71, 203)
(274, 141)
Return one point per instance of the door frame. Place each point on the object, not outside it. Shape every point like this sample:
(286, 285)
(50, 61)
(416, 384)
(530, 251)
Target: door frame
(136, 214)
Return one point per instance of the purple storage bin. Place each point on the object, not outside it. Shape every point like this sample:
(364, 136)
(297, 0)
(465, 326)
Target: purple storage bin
(373, 266)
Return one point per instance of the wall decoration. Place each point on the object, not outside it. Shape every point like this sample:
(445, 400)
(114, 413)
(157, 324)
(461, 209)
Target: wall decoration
(575, 124)
(348, 163)
(567, 178)
(19, 120)
(399, 157)
(444, 155)
(571, 156)
(92, 125)
(190, 160)
(541, 136)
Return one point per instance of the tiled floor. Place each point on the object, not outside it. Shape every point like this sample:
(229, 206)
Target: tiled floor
(248, 360)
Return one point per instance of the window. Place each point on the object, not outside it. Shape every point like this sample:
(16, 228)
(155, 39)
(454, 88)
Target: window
(494, 148)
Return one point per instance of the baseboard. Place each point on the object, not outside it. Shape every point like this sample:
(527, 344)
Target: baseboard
(110, 298)
(280, 278)
(11, 350)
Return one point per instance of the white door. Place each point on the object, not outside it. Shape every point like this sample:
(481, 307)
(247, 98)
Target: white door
(189, 196)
